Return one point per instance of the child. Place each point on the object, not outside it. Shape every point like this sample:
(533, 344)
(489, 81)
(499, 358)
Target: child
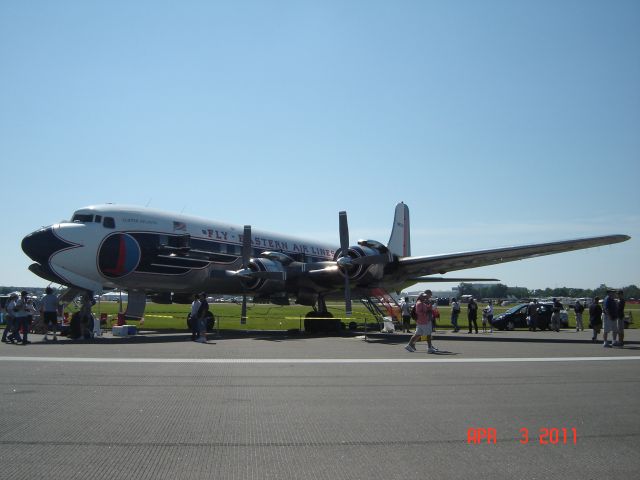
(487, 316)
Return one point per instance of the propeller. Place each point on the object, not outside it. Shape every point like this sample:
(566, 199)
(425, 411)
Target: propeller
(246, 273)
(345, 261)
(246, 257)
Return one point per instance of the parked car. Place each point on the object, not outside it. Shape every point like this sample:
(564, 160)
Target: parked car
(516, 317)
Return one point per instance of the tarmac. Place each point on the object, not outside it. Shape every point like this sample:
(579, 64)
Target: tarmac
(271, 405)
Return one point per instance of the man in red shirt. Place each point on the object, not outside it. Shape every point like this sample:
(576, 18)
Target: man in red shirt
(424, 322)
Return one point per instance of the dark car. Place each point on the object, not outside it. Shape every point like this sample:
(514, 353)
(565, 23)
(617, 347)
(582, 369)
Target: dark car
(516, 317)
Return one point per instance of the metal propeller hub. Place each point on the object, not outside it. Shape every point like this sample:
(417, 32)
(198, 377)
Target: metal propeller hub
(345, 262)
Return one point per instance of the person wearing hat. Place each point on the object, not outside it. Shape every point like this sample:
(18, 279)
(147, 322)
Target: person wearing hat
(22, 314)
(10, 330)
(424, 323)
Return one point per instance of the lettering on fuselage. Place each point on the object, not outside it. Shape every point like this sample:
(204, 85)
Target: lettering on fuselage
(286, 247)
(139, 221)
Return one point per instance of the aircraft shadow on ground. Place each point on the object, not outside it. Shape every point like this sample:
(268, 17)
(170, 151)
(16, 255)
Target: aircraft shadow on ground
(278, 336)
(399, 339)
(183, 337)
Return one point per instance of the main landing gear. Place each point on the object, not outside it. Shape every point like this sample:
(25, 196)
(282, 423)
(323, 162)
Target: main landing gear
(320, 320)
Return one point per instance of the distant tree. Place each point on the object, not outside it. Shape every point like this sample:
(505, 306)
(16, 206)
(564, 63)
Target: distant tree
(519, 292)
(632, 291)
(465, 289)
(498, 290)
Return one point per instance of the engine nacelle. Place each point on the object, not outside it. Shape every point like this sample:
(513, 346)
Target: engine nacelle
(264, 284)
(364, 249)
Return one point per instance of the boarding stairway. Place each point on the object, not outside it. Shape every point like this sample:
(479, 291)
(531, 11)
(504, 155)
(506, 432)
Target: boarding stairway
(382, 306)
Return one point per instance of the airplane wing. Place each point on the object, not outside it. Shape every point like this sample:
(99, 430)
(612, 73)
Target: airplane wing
(417, 266)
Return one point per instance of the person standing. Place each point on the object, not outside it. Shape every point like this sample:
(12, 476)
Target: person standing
(472, 314)
(49, 311)
(532, 313)
(86, 316)
(405, 310)
(610, 313)
(555, 315)
(193, 317)
(620, 320)
(595, 317)
(455, 311)
(11, 330)
(202, 318)
(22, 315)
(487, 317)
(424, 323)
(579, 308)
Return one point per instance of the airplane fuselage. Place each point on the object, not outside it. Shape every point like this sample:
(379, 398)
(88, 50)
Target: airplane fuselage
(109, 246)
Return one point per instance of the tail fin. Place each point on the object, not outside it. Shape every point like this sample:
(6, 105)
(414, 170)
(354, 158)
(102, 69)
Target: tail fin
(400, 241)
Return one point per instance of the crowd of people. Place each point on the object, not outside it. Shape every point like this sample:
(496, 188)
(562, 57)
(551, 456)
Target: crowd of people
(21, 310)
(608, 314)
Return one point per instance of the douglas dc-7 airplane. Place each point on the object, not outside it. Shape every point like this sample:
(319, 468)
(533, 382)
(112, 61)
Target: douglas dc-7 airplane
(168, 257)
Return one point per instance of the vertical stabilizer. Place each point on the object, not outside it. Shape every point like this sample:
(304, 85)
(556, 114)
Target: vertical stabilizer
(400, 241)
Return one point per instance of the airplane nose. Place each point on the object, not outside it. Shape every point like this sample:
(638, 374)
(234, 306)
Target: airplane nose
(41, 244)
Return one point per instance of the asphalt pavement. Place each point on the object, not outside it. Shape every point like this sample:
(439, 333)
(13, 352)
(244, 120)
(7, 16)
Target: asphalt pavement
(493, 405)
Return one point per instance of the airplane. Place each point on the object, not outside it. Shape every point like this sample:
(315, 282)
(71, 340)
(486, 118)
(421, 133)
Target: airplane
(167, 257)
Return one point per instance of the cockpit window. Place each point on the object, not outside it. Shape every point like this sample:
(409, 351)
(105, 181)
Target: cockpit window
(82, 218)
(109, 222)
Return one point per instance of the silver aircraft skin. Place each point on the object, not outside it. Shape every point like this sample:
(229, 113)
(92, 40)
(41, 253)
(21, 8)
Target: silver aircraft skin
(170, 256)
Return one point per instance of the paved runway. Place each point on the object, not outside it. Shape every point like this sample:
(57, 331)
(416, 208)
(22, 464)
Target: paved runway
(161, 407)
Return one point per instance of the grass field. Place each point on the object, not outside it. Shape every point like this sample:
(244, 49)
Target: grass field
(273, 317)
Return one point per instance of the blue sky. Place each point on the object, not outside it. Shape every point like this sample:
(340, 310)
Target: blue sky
(497, 122)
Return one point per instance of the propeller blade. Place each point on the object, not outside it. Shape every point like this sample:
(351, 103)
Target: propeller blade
(343, 226)
(246, 246)
(344, 232)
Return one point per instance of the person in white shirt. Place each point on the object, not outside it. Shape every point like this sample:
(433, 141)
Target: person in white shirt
(405, 308)
(49, 310)
(455, 312)
(487, 317)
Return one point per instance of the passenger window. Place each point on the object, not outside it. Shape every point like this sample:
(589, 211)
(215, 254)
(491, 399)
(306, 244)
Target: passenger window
(109, 222)
(98, 219)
